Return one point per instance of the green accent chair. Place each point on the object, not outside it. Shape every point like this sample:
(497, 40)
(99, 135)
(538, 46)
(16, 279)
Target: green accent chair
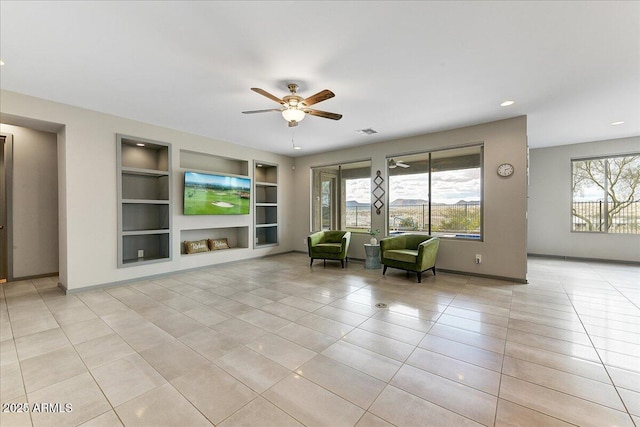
(411, 252)
(329, 245)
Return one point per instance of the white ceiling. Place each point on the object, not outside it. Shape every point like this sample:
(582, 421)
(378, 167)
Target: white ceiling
(402, 68)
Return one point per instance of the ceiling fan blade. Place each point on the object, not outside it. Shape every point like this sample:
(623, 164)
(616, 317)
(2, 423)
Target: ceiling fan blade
(324, 114)
(261, 111)
(402, 165)
(318, 97)
(268, 95)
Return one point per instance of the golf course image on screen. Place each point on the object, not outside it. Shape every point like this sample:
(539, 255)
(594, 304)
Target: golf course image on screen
(208, 194)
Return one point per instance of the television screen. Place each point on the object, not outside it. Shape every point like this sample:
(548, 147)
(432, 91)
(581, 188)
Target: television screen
(208, 194)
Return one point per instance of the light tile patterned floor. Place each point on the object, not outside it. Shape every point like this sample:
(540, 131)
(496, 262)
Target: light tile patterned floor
(272, 342)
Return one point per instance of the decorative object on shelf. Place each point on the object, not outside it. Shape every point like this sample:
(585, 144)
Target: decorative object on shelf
(373, 234)
(505, 170)
(378, 192)
(195, 246)
(218, 244)
(294, 107)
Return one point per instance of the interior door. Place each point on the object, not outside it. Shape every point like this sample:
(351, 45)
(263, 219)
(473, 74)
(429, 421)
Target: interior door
(3, 213)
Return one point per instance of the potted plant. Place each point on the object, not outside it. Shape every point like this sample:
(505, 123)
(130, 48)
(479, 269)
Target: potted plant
(373, 234)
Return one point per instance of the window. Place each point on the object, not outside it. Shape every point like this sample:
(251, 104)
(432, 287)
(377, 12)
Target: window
(606, 195)
(342, 197)
(438, 193)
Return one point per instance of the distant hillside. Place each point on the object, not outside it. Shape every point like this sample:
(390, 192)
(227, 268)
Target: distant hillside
(355, 203)
(419, 202)
(409, 202)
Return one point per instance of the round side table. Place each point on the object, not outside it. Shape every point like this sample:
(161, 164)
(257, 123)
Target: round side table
(372, 261)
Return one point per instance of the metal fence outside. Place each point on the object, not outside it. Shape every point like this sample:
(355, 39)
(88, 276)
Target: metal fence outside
(455, 218)
(599, 216)
(465, 218)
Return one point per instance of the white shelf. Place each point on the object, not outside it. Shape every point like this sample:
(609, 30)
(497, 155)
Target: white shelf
(145, 202)
(143, 232)
(144, 172)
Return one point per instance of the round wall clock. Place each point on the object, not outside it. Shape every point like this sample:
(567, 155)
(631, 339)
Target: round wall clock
(505, 169)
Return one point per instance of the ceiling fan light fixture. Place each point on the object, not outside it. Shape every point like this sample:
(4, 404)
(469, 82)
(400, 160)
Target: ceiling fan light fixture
(293, 114)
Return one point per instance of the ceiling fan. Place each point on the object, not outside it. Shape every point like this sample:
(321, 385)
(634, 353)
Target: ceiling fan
(395, 163)
(294, 107)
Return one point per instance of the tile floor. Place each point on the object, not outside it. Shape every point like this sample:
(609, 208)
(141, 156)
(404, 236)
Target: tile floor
(272, 342)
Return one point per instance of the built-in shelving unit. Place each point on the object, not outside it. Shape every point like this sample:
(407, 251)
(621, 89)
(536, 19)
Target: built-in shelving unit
(266, 204)
(144, 201)
(234, 228)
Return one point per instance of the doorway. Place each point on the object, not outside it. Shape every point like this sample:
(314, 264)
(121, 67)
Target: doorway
(6, 141)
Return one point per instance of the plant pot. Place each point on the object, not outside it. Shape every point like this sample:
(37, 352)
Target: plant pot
(373, 241)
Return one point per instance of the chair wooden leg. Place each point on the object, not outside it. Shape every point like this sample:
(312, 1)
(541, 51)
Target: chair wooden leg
(324, 262)
(384, 270)
(311, 263)
(434, 270)
(419, 277)
(342, 263)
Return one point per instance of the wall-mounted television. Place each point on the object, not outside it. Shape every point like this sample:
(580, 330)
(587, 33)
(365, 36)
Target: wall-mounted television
(214, 194)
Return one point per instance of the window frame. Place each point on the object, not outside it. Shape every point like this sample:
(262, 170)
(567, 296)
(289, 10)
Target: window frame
(605, 191)
(430, 171)
(339, 212)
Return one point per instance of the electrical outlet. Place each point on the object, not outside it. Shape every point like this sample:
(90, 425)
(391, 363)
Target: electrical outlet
(304, 241)
(478, 259)
(140, 253)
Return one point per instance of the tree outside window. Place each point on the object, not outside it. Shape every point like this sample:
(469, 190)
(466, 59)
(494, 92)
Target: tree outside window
(606, 195)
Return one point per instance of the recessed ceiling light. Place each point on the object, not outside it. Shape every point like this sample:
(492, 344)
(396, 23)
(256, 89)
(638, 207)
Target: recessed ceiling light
(617, 123)
(295, 147)
(507, 103)
(258, 165)
(1, 62)
(140, 144)
(367, 131)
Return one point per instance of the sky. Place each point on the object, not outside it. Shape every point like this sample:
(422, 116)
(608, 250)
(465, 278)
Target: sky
(448, 187)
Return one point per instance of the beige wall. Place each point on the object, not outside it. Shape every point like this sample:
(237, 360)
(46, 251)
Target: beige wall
(34, 202)
(88, 197)
(503, 250)
(550, 205)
